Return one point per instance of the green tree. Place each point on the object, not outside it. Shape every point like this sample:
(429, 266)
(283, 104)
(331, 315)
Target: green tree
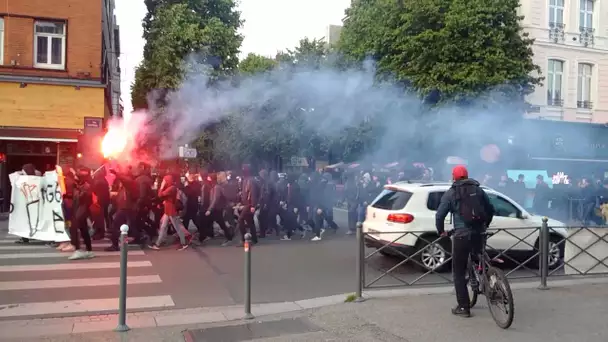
(309, 52)
(173, 34)
(255, 64)
(205, 31)
(456, 48)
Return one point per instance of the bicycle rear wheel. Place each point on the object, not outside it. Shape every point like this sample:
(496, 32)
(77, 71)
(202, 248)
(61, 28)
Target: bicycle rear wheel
(473, 290)
(498, 294)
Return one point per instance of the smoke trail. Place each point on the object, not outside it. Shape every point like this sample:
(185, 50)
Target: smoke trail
(329, 102)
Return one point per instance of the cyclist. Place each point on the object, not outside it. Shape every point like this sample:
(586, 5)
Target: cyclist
(472, 213)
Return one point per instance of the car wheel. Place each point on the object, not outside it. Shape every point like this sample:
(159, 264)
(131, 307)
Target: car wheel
(434, 256)
(556, 252)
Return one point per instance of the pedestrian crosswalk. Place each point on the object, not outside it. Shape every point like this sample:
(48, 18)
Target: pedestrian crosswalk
(36, 280)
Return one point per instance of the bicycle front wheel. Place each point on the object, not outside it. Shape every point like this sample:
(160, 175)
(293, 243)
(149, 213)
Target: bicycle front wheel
(500, 298)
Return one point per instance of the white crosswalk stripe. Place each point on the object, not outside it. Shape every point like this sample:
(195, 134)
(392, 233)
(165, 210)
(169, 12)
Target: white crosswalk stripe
(38, 280)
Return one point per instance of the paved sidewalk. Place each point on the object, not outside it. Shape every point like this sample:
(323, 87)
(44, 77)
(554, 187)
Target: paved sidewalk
(571, 310)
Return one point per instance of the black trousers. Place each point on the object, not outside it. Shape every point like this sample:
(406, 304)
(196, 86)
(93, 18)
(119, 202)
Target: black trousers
(217, 217)
(268, 220)
(352, 217)
(245, 221)
(463, 245)
(289, 220)
(79, 224)
(122, 216)
(326, 215)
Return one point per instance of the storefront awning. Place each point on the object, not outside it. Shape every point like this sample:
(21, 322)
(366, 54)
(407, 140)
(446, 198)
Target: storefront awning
(38, 134)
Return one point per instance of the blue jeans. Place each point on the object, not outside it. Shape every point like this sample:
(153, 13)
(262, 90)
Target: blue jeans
(361, 213)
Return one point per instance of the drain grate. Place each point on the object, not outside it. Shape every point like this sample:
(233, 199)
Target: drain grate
(251, 331)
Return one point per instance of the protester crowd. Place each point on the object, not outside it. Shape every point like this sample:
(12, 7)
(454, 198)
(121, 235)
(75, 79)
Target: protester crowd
(154, 206)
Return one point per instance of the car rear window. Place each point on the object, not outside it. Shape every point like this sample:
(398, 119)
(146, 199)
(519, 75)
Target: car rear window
(434, 199)
(391, 200)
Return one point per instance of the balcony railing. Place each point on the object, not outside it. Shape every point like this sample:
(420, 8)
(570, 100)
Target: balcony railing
(584, 104)
(555, 102)
(557, 32)
(586, 36)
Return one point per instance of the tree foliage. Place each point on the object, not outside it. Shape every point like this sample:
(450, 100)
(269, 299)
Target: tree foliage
(255, 64)
(455, 48)
(203, 30)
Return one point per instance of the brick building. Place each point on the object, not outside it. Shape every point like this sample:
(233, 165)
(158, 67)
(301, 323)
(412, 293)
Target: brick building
(59, 78)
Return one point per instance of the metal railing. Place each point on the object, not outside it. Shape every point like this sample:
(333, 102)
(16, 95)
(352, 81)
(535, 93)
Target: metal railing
(524, 253)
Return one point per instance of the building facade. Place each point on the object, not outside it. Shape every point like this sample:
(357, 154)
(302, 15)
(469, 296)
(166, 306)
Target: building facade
(59, 79)
(571, 48)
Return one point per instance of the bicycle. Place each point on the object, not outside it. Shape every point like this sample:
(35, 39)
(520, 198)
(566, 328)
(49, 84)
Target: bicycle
(490, 281)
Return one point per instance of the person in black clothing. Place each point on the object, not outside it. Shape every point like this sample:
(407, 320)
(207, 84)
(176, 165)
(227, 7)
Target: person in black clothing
(231, 190)
(101, 189)
(249, 202)
(125, 206)
(192, 192)
(324, 205)
(84, 199)
(268, 203)
(351, 194)
(304, 203)
(205, 231)
(143, 204)
(472, 213)
(290, 201)
(214, 213)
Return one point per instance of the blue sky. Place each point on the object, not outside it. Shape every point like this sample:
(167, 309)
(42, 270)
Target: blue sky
(270, 26)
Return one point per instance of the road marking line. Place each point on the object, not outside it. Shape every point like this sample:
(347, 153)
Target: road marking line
(73, 266)
(83, 306)
(19, 247)
(58, 254)
(86, 282)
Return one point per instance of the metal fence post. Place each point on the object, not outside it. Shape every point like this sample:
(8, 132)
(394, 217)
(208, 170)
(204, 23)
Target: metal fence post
(247, 248)
(122, 301)
(544, 253)
(360, 264)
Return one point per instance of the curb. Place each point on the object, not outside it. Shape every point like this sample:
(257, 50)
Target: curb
(168, 318)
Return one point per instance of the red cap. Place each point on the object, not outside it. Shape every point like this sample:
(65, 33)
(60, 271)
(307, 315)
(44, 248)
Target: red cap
(460, 172)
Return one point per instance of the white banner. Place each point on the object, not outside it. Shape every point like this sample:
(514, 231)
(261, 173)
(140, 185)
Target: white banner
(36, 207)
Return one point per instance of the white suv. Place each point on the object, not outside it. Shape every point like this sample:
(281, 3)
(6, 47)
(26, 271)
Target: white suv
(411, 207)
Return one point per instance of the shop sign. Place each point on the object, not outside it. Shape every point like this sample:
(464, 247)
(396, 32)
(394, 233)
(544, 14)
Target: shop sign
(560, 178)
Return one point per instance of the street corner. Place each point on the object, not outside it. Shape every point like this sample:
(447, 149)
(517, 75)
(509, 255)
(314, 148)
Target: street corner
(255, 330)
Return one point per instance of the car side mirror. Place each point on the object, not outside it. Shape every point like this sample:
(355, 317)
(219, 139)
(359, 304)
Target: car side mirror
(523, 216)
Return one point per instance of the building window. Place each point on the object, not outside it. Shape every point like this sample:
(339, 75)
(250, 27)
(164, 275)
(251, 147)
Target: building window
(586, 19)
(556, 12)
(555, 74)
(1, 41)
(586, 23)
(49, 45)
(557, 29)
(585, 73)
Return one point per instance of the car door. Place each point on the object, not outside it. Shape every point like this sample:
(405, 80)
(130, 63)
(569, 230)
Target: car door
(432, 203)
(512, 227)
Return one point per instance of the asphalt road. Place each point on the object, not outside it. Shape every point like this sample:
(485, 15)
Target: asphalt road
(208, 275)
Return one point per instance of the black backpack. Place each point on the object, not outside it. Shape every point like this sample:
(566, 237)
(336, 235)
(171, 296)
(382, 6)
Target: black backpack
(471, 206)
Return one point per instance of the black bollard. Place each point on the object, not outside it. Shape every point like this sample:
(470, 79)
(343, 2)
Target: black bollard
(247, 248)
(122, 301)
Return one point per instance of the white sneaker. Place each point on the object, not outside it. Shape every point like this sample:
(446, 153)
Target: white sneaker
(316, 238)
(285, 238)
(79, 255)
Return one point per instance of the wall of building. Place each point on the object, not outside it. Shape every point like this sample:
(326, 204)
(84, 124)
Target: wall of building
(84, 36)
(570, 44)
(49, 106)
